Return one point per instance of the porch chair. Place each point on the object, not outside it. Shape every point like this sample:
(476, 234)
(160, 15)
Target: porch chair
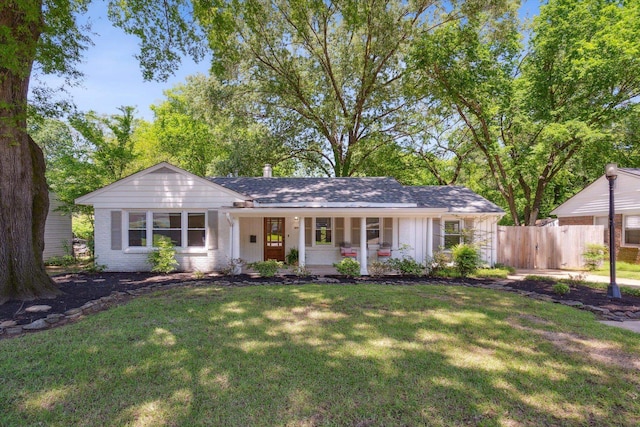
(384, 251)
(347, 251)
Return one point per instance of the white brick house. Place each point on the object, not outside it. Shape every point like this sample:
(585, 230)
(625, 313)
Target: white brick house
(217, 219)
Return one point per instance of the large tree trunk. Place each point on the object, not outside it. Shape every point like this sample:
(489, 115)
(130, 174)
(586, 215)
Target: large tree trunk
(24, 200)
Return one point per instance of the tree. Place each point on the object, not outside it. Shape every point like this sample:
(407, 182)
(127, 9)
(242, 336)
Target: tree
(529, 112)
(45, 34)
(335, 69)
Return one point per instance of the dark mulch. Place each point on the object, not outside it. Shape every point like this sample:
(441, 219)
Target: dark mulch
(584, 294)
(77, 289)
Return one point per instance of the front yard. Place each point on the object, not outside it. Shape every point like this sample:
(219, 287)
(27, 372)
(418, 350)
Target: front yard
(361, 355)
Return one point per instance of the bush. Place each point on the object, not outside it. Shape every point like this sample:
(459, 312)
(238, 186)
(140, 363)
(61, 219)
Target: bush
(301, 271)
(378, 268)
(267, 268)
(163, 257)
(348, 267)
(233, 267)
(61, 261)
(594, 255)
(466, 259)
(561, 288)
(440, 263)
(500, 266)
(406, 266)
(292, 256)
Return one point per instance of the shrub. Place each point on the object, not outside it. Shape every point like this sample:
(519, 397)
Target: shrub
(233, 267)
(301, 271)
(439, 263)
(378, 268)
(163, 257)
(292, 256)
(267, 268)
(406, 266)
(61, 261)
(198, 275)
(561, 288)
(466, 259)
(348, 267)
(500, 266)
(594, 255)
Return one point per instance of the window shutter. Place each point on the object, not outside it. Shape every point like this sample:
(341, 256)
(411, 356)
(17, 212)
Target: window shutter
(212, 222)
(355, 232)
(116, 230)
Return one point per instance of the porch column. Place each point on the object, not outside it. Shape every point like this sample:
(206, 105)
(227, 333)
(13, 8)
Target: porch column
(301, 243)
(430, 239)
(363, 247)
(395, 241)
(494, 242)
(235, 241)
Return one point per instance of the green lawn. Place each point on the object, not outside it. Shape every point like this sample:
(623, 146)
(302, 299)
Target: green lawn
(623, 270)
(355, 355)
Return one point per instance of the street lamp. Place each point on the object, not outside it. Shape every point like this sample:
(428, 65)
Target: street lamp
(613, 291)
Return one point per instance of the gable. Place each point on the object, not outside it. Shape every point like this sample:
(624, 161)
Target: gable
(594, 199)
(163, 187)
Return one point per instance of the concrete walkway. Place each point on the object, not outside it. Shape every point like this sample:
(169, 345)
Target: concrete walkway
(563, 274)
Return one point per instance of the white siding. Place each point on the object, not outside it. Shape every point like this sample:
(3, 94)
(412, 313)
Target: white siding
(252, 252)
(136, 260)
(163, 191)
(57, 231)
(594, 199)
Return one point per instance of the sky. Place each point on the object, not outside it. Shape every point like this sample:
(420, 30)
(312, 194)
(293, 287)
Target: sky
(112, 75)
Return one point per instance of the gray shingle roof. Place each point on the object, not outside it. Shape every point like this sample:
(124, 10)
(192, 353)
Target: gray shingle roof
(355, 191)
(454, 198)
(318, 190)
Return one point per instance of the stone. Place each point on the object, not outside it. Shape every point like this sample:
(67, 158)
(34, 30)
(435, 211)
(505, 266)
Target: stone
(54, 318)
(73, 312)
(14, 330)
(36, 325)
(8, 324)
(597, 310)
(571, 303)
(38, 309)
(633, 314)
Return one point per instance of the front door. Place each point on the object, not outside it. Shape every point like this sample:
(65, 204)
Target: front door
(274, 239)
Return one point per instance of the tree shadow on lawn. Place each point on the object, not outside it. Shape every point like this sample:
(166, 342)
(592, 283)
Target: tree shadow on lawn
(317, 355)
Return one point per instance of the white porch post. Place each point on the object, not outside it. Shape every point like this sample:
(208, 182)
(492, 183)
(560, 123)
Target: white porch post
(235, 241)
(494, 242)
(395, 241)
(301, 242)
(430, 238)
(363, 247)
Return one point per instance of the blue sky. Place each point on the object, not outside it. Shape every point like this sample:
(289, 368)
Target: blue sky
(113, 77)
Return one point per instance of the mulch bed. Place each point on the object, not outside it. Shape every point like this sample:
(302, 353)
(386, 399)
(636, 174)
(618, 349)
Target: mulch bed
(78, 289)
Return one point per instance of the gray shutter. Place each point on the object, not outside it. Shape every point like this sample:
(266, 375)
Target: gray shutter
(116, 230)
(212, 222)
(308, 235)
(469, 231)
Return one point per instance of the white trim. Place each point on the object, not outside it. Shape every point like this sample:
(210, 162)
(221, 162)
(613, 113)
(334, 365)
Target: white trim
(345, 213)
(184, 221)
(316, 205)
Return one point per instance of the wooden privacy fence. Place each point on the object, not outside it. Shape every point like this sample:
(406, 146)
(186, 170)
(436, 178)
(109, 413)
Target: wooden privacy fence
(546, 247)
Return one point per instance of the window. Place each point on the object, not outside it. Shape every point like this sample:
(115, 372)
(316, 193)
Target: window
(195, 229)
(632, 230)
(452, 234)
(323, 231)
(185, 229)
(168, 224)
(137, 229)
(373, 231)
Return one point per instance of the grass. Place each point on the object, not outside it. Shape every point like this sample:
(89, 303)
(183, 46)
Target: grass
(324, 355)
(624, 270)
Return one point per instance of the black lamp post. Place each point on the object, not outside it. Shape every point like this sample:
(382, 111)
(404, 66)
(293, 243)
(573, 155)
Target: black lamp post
(613, 291)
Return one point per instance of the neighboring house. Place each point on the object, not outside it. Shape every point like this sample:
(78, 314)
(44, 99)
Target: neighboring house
(217, 219)
(591, 207)
(58, 237)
